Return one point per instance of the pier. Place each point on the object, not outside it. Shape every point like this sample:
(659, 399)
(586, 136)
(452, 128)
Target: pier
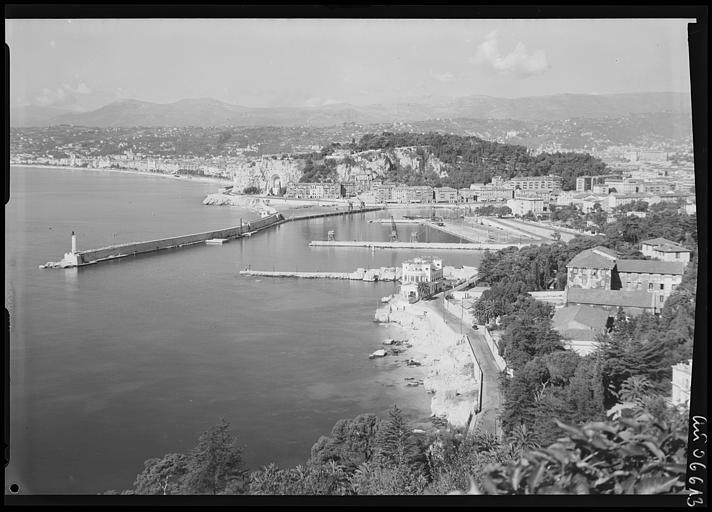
(369, 275)
(76, 258)
(413, 245)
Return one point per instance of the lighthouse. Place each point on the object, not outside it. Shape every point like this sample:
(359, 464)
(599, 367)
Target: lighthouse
(74, 243)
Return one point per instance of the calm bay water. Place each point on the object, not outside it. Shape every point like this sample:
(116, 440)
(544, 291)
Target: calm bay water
(131, 359)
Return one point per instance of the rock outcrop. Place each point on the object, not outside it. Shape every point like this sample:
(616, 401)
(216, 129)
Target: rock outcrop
(256, 204)
(269, 172)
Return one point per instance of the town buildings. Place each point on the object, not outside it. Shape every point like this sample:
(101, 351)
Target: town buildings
(445, 195)
(313, 191)
(549, 183)
(491, 192)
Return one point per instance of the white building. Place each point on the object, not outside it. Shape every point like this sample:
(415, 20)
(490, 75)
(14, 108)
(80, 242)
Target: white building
(421, 270)
(523, 205)
(681, 383)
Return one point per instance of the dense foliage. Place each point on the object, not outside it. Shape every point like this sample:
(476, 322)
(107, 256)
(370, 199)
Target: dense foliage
(551, 383)
(470, 159)
(492, 211)
(321, 171)
(643, 451)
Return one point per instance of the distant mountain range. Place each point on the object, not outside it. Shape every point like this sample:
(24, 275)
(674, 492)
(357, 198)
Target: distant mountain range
(210, 112)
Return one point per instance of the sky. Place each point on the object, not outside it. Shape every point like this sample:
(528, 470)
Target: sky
(83, 64)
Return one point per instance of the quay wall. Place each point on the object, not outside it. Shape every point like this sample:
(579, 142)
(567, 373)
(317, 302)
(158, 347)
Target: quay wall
(330, 214)
(412, 245)
(498, 223)
(538, 229)
(129, 249)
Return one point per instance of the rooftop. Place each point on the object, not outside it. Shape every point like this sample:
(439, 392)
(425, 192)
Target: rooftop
(598, 257)
(671, 248)
(579, 334)
(658, 241)
(592, 317)
(651, 267)
(623, 298)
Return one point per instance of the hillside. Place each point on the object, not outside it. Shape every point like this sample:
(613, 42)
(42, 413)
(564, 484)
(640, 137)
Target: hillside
(209, 112)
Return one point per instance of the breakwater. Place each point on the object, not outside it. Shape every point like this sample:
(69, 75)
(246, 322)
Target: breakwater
(412, 245)
(361, 274)
(76, 258)
(91, 256)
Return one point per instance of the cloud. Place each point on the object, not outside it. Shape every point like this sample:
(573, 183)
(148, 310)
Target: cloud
(52, 44)
(61, 96)
(52, 97)
(519, 62)
(319, 102)
(443, 77)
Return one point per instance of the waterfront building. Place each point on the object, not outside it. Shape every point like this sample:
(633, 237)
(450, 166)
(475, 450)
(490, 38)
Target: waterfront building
(349, 189)
(382, 193)
(421, 270)
(417, 194)
(665, 250)
(492, 192)
(313, 190)
(682, 383)
(421, 194)
(466, 195)
(445, 195)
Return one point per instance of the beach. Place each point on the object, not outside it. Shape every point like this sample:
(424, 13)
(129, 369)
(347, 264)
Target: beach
(446, 363)
(199, 179)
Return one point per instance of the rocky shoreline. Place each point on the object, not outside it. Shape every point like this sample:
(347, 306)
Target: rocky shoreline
(437, 349)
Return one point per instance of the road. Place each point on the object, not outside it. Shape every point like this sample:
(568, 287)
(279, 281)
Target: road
(486, 419)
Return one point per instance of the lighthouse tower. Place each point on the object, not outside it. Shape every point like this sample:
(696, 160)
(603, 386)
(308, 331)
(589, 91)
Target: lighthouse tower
(74, 243)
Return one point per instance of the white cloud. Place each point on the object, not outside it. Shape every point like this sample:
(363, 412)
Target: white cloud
(319, 102)
(62, 95)
(52, 44)
(51, 97)
(519, 62)
(443, 77)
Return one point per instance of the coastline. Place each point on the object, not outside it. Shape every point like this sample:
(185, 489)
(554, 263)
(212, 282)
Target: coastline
(199, 179)
(446, 366)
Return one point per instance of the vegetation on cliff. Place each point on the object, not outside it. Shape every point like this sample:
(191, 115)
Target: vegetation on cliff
(473, 160)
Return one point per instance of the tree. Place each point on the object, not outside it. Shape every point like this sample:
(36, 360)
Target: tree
(162, 475)
(424, 290)
(215, 463)
(350, 443)
(395, 439)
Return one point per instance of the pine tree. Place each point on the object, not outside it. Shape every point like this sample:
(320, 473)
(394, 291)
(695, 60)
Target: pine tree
(215, 464)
